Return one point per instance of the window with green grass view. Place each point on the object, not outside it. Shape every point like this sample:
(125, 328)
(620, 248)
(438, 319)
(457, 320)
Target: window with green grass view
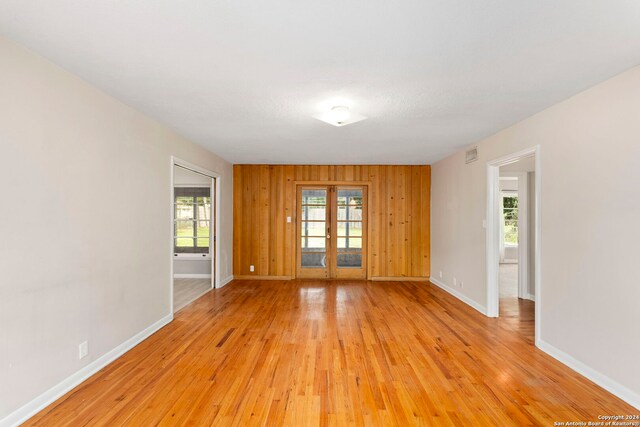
(192, 220)
(510, 218)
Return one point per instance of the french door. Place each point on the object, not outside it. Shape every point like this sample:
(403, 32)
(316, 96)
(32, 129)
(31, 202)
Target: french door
(332, 225)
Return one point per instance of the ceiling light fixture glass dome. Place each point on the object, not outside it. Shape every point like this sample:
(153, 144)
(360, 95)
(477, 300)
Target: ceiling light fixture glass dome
(340, 115)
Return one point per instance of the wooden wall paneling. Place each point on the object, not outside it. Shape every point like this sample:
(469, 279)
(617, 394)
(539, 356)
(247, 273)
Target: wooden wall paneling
(250, 232)
(263, 208)
(323, 173)
(275, 220)
(402, 213)
(415, 219)
(396, 257)
(383, 222)
(398, 220)
(391, 221)
(240, 227)
(407, 220)
(245, 254)
(290, 234)
(237, 215)
(373, 212)
(426, 218)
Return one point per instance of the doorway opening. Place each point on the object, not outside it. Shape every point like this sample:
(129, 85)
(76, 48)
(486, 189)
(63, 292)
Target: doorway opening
(193, 233)
(513, 242)
(332, 231)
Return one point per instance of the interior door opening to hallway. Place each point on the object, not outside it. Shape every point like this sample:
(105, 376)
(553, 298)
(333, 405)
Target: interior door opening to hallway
(332, 237)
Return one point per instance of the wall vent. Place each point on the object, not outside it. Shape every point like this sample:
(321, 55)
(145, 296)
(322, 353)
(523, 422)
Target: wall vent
(471, 155)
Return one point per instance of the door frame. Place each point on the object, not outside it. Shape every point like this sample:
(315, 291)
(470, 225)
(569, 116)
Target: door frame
(214, 232)
(327, 223)
(493, 232)
(294, 235)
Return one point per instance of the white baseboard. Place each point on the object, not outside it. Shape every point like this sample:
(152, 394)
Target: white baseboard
(22, 414)
(225, 281)
(530, 297)
(613, 387)
(192, 276)
(460, 296)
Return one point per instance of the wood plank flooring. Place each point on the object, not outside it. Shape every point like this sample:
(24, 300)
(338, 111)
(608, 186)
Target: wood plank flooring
(316, 353)
(185, 291)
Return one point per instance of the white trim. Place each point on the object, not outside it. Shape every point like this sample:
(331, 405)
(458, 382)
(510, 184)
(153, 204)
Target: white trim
(191, 257)
(192, 185)
(493, 234)
(530, 297)
(225, 281)
(493, 240)
(523, 234)
(465, 299)
(191, 276)
(612, 386)
(27, 411)
(215, 264)
(537, 265)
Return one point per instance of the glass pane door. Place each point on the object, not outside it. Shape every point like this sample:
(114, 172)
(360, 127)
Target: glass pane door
(350, 220)
(313, 222)
(331, 223)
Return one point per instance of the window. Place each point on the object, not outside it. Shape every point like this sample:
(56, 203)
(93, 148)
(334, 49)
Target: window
(350, 227)
(510, 218)
(192, 220)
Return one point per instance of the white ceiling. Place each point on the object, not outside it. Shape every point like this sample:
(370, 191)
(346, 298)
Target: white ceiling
(244, 78)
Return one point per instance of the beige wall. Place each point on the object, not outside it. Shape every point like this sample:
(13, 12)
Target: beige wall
(590, 171)
(75, 263)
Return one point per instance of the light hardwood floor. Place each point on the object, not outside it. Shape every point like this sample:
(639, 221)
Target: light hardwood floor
(508, 276)
(185, 291)
(334, 353)
(515, 313)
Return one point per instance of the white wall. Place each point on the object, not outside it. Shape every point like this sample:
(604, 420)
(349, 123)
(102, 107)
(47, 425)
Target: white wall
(590, 156)
(75, 264)
(182, 176)
(508, 184)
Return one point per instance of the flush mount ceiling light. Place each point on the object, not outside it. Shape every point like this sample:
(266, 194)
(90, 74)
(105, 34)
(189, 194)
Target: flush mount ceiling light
(340, 116)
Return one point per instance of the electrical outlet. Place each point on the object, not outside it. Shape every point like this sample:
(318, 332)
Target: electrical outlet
(441, 274)
(455, 282)
(288, 219)
(83, 349)
(252, 268)
(461, 284)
